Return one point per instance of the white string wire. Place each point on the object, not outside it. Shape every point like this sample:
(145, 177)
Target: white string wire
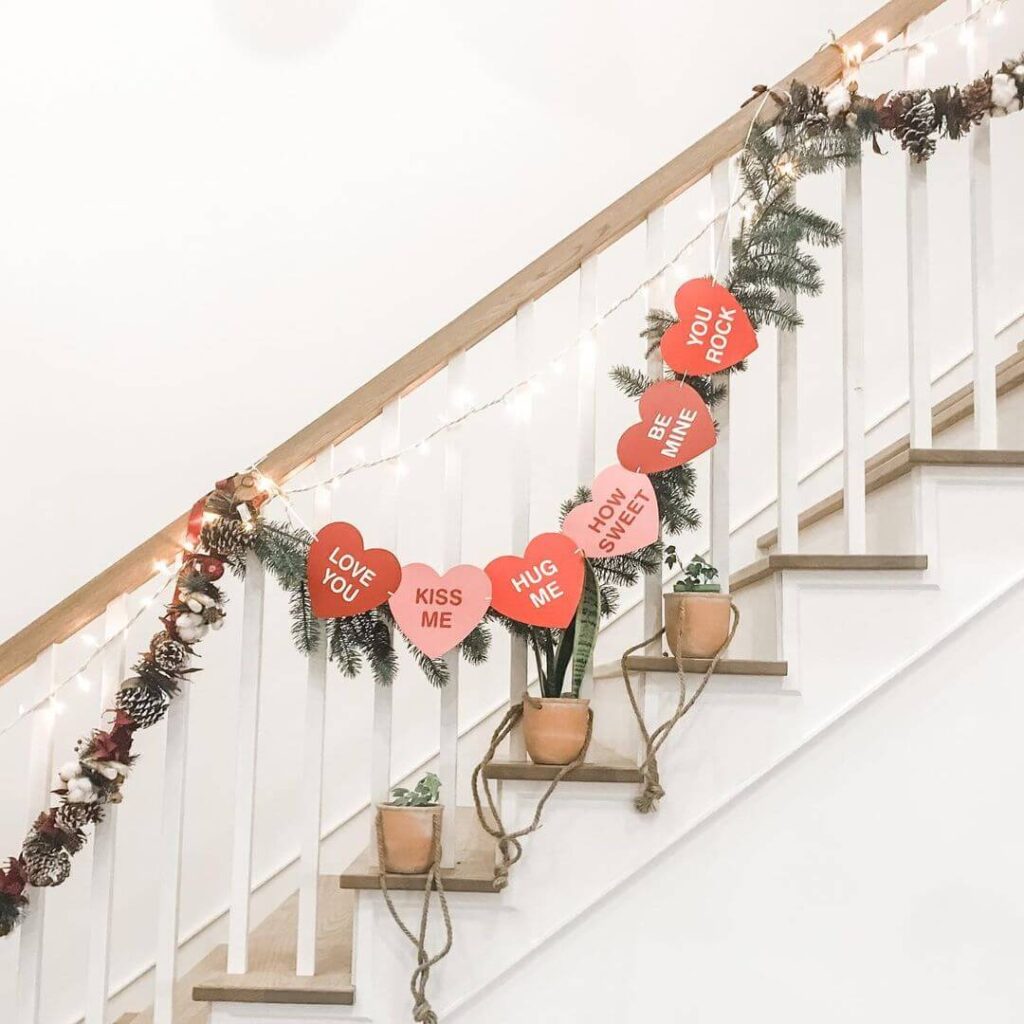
(519, 385)
(920, 44)
(51, 697)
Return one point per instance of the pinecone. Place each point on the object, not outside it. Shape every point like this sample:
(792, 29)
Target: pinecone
(45, 863)
(169, 655)
(146, 704)
(915, 129)
(73, 817)
(977, 98)
(225, 537)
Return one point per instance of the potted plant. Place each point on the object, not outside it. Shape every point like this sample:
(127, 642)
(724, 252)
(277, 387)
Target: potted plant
(556, 725)
(407, 825)
(697, 614)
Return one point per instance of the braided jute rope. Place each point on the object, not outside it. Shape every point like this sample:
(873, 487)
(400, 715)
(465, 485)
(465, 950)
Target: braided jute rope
(653, 791)
(422, 1011)
(510, 846)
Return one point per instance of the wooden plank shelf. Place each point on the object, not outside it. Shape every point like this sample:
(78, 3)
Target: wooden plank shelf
(772, 564)
(601, 766)
(474, 871)
(698, 666)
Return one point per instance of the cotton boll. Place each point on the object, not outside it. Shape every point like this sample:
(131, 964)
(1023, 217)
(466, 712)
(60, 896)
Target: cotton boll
(69, 771)
(1004, 92)
(837, 100)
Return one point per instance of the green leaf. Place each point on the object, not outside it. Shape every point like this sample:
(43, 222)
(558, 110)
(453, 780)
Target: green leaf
(588, 617)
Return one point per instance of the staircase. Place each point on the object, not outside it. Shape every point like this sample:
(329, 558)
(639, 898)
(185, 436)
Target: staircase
(238, 882)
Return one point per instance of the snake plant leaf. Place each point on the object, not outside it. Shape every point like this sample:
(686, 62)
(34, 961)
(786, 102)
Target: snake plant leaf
(588, 618)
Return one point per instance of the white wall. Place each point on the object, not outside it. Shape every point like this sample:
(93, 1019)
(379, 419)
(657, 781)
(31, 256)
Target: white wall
(221, 217)
(873, 877)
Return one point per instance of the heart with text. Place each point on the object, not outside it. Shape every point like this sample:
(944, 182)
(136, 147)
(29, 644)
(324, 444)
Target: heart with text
(344, 577)
(622, 517)
(438, 612)
(541, 588)
(675, 427)
(713, 333)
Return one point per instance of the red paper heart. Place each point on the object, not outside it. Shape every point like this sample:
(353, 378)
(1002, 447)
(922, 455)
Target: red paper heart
(675, 427)
(623, 516)
(345, 578)
(713, 333)
(543, 587)
(438, 612)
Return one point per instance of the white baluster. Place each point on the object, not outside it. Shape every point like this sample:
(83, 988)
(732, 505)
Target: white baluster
(586, 396)
(40, 782)
(788, 448)
(169, 855)
(918, 290)
(654, 257)
(311, 795)
(387, 529)
(721, 240)
(247, 722)
(104, 843)
(455, 390)
(521, 456)
(853, 362)
(983, 329)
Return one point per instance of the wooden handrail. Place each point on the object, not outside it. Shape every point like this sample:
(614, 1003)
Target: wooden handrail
(472, 326)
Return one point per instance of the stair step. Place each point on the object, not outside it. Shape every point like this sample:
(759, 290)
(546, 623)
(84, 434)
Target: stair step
(698, 666)
(473, 873)
(601, 766)
(882, 471)
(271, 977)
(772, 564)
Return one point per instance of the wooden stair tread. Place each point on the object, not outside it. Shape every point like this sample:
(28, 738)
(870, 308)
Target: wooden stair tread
(601, 766)
(666, 663)
(899, 465)
(271, 977)
(473, 873)
(771, 564)
(889, 464)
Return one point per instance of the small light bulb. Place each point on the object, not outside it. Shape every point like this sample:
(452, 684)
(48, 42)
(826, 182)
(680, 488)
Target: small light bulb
(265, 484)
(360, 453)
(401, 469)
(424, 448)
(558, 367)
(83, 682)
(146, 602)
(966, 35)
(999, 14)
(881, 37)
(90, 641)
(21, 710)
(56, 706)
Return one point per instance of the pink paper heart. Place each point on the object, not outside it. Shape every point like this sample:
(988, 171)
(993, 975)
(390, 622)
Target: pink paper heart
(438, 612)
(622, 517)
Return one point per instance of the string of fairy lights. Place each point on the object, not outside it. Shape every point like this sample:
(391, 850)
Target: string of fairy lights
(516, 398)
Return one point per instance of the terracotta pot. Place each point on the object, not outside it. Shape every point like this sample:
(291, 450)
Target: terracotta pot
(706, 621)
(556, 730)
(408, 838)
